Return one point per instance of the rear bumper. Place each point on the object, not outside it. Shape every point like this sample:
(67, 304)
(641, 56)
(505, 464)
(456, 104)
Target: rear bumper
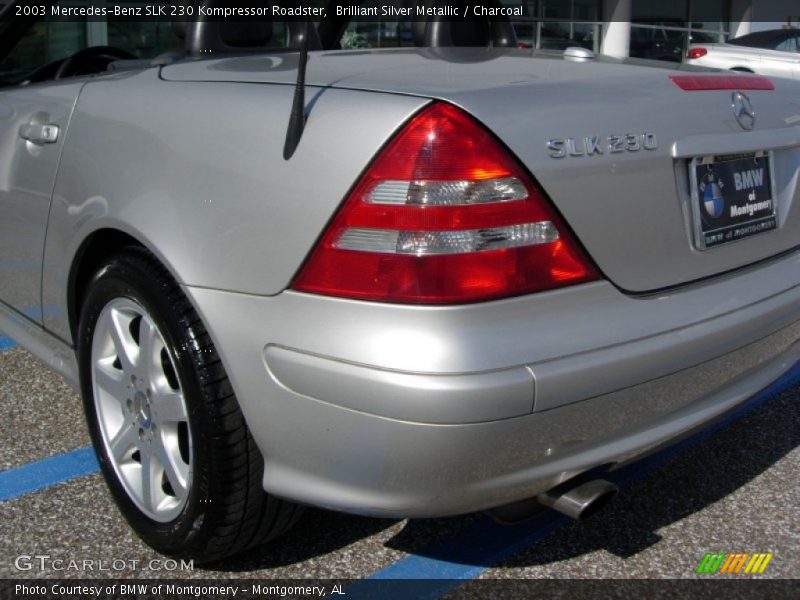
(413, 411)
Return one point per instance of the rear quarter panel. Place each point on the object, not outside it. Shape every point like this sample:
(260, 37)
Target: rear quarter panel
(194, 171)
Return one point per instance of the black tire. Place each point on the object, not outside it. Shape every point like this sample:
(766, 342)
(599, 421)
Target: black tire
(225, 510)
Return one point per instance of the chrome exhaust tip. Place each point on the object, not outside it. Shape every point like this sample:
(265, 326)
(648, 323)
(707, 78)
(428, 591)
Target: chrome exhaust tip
(580, 501)
(577, 498)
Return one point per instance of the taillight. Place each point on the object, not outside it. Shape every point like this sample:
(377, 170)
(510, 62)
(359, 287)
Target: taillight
(696, 53)
(443, 215)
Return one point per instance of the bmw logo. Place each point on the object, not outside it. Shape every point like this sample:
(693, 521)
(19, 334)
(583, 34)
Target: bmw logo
(711, 191)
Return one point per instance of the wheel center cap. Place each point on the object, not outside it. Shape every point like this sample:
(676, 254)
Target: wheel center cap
(141, 407)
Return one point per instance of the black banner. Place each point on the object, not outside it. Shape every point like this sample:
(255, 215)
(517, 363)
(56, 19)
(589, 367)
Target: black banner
(301, 10)
(712, 587)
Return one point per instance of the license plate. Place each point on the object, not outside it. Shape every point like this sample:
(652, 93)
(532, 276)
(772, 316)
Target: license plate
(733, 197)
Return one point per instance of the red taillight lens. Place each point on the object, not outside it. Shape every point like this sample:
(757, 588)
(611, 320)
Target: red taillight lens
(443, 215)
(702, 83)
(696, 53)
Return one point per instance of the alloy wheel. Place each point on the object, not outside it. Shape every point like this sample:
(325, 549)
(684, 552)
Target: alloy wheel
(141, 410)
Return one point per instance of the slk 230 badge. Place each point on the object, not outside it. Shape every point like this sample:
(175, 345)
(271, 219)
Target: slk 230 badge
(593, 144)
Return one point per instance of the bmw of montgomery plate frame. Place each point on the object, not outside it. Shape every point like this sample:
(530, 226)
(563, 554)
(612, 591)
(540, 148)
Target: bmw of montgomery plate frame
(396, 299)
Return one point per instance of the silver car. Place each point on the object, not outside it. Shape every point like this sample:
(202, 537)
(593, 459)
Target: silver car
(775, 53)
(449, 280)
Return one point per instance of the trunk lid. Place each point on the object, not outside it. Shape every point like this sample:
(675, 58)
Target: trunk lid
(633, 210)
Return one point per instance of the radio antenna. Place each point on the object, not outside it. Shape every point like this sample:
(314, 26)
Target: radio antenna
(297, 118)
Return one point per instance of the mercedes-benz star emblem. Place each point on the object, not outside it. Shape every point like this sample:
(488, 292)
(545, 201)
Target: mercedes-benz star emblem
(743, 110)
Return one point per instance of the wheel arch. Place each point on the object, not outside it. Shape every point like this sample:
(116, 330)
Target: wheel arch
(95, 249)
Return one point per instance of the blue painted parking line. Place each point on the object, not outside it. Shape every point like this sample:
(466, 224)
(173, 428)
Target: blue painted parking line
(6, 343)
(485, 544)
(46, 473)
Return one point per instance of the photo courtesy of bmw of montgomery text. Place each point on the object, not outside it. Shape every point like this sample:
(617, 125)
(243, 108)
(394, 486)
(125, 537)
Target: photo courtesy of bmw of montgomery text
(464, 278)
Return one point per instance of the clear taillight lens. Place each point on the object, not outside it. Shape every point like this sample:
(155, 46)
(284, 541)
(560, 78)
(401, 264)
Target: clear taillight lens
(444, 215)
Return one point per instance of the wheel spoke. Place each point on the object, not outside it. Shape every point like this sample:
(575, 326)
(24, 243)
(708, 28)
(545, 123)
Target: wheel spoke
(169, 407)
(177, 472)
(111, 380)
(125, 439)
(150, 346)
(124, 344)
(148, 475)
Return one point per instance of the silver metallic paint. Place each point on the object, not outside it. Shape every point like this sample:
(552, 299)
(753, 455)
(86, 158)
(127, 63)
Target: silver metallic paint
(202, 182)
(27, 175)
(418, 397)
